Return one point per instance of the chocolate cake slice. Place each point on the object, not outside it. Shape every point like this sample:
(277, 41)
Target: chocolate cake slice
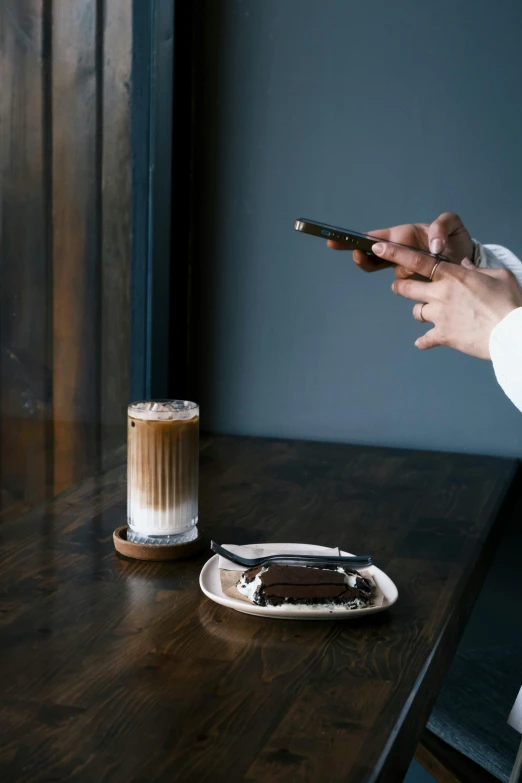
(325, 586)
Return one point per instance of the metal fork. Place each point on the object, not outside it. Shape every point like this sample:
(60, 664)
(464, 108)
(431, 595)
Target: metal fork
(251, 562)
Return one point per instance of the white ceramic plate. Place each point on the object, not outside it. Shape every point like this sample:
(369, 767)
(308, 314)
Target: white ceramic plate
(210, 583)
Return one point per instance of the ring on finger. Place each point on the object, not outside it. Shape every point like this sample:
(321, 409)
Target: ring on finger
(421, 317)
(435, 265)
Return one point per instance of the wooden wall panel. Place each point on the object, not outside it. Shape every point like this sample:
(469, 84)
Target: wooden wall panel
(76, 231)
(65, 206)
(24, 290)
(116, 222)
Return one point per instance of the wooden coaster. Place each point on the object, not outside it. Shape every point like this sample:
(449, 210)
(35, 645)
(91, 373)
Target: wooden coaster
(154, 551)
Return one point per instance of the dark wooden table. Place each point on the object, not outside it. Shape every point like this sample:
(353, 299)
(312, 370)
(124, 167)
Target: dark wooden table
(113, 670)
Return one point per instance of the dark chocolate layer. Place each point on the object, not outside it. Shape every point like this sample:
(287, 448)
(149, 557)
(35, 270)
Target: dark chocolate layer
(285, 584)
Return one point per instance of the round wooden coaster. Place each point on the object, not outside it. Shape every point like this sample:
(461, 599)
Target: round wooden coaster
(154, 551)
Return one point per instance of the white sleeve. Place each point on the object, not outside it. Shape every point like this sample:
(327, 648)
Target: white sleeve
(505, 343)
(497, 257)
(505, 347)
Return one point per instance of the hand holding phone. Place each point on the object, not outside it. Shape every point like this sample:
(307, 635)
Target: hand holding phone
(415, 236)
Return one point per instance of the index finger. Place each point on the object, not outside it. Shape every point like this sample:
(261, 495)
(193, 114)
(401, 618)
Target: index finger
(412, 260)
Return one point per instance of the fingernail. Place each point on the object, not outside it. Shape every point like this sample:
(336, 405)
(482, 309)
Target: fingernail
(436, 246)
(467, 264)
(378, 249)
(393, 287)
(417, 344)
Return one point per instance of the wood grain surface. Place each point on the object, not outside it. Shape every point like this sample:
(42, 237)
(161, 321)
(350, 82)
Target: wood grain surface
(114, 670)
(65, 236)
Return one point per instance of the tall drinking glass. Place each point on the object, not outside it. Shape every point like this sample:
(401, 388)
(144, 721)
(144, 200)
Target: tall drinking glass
(163, 462)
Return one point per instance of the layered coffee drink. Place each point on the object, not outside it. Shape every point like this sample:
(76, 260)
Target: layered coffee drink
(162, 473)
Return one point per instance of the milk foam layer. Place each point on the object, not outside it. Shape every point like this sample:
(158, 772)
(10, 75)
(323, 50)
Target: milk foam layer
(163, 522)
(164, 410)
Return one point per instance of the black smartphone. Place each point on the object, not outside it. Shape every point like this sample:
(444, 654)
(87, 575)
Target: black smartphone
(355, 239)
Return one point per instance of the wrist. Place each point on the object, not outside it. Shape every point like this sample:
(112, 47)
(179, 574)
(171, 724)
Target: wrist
(502, 313)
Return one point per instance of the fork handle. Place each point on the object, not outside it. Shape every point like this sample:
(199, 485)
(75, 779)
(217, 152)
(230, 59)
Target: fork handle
(360, 560)
(316, 559)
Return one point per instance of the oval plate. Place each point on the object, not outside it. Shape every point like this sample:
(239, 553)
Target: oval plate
(210, 583)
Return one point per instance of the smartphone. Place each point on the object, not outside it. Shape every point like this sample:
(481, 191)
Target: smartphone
(355, 239)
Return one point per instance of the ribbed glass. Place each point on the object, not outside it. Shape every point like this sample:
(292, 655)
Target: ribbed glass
(162, 472)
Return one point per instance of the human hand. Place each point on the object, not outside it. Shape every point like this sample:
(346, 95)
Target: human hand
(464, 303)
(447, 236)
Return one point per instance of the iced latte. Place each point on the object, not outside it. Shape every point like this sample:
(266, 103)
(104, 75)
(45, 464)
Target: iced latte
(163, 460)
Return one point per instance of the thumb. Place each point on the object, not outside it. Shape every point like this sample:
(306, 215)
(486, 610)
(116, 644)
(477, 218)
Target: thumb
(467, 264)
(441, 229)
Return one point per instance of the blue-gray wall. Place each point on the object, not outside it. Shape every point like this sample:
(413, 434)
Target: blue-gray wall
(361, 114)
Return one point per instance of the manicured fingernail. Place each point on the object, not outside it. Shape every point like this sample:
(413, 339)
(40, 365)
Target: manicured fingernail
(436, 246)
(378, 249)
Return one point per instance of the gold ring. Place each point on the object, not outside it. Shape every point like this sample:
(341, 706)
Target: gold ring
(435, 265)
(420, 314)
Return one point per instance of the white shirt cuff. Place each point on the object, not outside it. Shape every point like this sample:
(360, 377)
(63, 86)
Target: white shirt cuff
(479, 256)
(496, 257)
(505, 347)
